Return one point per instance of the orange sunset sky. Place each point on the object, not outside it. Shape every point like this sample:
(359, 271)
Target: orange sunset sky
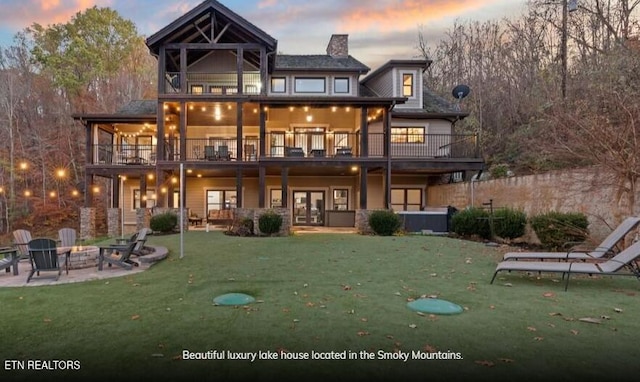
(378, 30)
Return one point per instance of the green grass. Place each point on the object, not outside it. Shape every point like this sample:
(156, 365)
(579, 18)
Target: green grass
(323, 293)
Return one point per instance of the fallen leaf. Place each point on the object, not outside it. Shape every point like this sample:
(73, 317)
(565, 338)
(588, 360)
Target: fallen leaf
(531, 328)
(506, 360)
(346, 287)
(574, 332)
(508, 284)
(413, 326)
(551, 325)
(538, 338)
(310, 304)
(618, 310)
(485, 363)
(549, 294)
(555, 314)
(590, 320)
(363, 333)
(364, 319)
(429, 349)
(47, 320)
(492, 306)
(135, 316)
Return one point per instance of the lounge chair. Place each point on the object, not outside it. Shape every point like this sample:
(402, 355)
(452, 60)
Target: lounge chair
(117, 255)
(21, 239)
(626, 259)
(43, 255)
(606, 247)
(67, 237)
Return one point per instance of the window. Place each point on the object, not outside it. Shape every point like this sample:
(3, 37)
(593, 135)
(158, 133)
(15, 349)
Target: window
(341, 85)
(150, 197)
(276, 198)
(278, 85)
(406, 199)
(310, 85)
(341, 199)
(407, 134)
(197, 89)
(407, 85)
(221, 199)
(215, 89)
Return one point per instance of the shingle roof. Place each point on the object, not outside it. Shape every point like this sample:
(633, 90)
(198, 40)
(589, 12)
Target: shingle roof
(139, 107)
(319, 62)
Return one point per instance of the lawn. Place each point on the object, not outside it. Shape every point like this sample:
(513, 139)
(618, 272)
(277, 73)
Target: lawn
(329, 296)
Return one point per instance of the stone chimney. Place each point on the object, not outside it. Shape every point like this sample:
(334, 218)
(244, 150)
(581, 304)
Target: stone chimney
(338, 46)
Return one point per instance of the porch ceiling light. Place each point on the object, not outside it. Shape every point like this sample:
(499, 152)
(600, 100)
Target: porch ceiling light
(309, 118)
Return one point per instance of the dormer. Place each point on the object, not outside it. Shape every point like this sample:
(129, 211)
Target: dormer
(399, 78)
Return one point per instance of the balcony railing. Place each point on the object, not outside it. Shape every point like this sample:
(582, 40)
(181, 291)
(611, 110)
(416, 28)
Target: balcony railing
(307, 146)
(214, 83)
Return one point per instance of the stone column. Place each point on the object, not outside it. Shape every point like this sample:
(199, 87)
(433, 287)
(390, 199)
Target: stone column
(114, 226)
(362, 222)
(87, 223)
(142, 218)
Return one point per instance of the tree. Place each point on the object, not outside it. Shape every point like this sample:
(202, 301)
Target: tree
(85, 54)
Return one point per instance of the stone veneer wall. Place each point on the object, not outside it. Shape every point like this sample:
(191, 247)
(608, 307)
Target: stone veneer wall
(114, 226)
(142, 218)
(87, 223)
(585, 190)
(255, 214)
(362, 222)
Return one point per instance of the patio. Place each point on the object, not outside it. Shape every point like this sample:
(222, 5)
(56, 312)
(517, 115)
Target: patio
(77, 275)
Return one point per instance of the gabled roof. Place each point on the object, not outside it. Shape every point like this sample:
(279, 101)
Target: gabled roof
(208, 22)
(424, 64)
(319, 62)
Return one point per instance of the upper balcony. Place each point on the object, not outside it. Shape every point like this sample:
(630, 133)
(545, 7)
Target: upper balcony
(306, 147)
(215, 83)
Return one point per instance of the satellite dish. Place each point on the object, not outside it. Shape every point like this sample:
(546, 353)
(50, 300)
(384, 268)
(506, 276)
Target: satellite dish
(460, 91)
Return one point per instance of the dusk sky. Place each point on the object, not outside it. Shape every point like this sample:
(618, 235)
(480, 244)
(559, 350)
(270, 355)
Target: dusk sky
(378, 30)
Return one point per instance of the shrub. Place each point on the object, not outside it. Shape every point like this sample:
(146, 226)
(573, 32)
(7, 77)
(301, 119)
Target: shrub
(471, 221)
(164, 222)
(269, 223)
(509, 223)
(384, 222)
(556, 229)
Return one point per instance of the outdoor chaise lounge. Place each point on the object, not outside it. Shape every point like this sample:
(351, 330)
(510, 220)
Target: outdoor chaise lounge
(606, 247)
(626, 259)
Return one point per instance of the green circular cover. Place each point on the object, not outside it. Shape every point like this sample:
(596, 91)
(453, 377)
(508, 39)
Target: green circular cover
(233, 299)
(434, 306)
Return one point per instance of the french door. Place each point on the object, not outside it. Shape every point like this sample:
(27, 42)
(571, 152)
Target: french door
(308, 208)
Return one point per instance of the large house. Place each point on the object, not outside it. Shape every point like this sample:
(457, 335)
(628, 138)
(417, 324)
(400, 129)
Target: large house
(237, 125)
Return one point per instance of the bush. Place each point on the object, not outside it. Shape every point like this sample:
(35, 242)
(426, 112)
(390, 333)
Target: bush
(556, 229)
(471, 221)
(270, 223)
(164, 222)
(509, 223)
(384, 222)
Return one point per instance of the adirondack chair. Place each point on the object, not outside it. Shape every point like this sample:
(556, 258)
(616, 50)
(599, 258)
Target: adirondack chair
(67, 237)
(117, 255)
(21, 239)
(43, 256)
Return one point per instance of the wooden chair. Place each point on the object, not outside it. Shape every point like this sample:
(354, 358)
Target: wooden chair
(43, 256)
(8, 259)
(117, 255)
(67, 237)
(21, 239)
